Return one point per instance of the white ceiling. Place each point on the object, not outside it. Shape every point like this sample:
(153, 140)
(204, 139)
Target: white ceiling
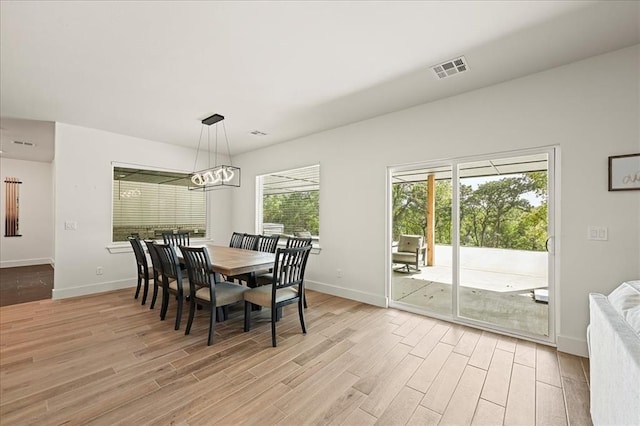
(154, 69)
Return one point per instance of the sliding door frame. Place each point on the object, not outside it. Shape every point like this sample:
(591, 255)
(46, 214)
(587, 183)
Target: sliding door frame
(553, 244)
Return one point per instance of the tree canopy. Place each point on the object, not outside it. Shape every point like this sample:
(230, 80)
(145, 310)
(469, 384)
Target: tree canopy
(498, 213)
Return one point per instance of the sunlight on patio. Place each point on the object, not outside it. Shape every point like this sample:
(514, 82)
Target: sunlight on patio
(496, 287)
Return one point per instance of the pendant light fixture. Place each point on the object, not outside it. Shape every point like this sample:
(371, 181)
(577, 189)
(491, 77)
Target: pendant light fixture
(219, 175)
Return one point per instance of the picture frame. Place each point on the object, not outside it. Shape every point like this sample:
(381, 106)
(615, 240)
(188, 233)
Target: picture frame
(624, 172)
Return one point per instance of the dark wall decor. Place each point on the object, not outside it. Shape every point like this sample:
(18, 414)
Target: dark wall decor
(12, 207)
(624, 172)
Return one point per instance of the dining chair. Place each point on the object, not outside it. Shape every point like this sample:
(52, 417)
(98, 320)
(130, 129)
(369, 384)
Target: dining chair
(236, 240)
(157, 270)
(205, 290)
(249, 241)
(176, 238)
(292, 242)
(172, 281)
(267, 243)
(142, 268)
(288, 271)
(263, 243)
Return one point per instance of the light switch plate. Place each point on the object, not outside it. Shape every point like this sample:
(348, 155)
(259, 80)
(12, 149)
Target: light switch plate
(70, 225)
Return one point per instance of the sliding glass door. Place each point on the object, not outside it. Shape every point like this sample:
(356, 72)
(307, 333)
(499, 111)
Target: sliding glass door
(486, 227)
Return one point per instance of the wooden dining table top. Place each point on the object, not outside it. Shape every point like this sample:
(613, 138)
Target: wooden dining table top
(235, 261)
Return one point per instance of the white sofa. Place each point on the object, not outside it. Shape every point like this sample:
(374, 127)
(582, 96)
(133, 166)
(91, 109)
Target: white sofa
(614, 355)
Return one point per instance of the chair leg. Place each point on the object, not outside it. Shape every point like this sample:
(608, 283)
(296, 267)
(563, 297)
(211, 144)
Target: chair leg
(179, 314)
(138, 287)
(165, 304)
(304, 299)
(274, 314)
(301, 313)
(212, 325)
(155, 294)
(145, 291)
(192, 313)
(247, 316)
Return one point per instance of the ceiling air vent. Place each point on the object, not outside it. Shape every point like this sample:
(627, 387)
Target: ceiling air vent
(258, 133)
(29, 144)
(449, 68)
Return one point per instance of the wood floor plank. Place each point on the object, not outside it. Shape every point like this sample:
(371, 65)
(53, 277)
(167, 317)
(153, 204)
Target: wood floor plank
(550, 408)
(422, 416)
(387, 389)
(525, 353)
(104, 359)
(547, 369)
(571, 367)
(576, 395)
(464, 400)
(521, 402)
(444, 385)
(496, 386)
(488, 414)
(430, 367)
(360, 418)
(430, 340)
(483, 352)
(468, 342)
(401, 408)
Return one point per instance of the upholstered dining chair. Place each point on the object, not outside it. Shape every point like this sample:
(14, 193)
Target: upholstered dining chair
(157, 270)
(172, 281)
(292, 242)
(288, 272)
(176, 238)
(205, 290)
(142, 266)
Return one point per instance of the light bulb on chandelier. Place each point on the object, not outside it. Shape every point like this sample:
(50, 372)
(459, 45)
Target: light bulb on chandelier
(218, 176)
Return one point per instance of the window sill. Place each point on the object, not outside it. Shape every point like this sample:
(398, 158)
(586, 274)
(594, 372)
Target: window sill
(125, 246)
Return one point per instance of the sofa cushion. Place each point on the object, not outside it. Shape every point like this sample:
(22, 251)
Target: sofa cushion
(626, 300)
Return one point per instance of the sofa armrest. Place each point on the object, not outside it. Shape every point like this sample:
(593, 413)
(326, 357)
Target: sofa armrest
(614, 349)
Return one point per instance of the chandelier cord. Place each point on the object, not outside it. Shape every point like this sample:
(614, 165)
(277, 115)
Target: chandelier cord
(224, 127)
(195, 163)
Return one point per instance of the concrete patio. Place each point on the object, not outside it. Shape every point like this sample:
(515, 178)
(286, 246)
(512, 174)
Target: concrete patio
(496, 287)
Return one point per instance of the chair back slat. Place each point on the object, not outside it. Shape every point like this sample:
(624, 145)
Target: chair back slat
(290, 266)
(141, 259)
(156, 263)
(267, 244)
(170, 263)
(176, 239)
(236, 240)
(249, 241)
(198, 267)
(294, 242)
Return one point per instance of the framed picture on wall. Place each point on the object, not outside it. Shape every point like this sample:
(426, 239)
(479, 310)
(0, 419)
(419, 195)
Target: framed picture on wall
(624, 172)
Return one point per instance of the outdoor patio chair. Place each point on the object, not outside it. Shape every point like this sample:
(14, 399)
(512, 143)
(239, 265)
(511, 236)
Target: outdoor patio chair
(411, 253)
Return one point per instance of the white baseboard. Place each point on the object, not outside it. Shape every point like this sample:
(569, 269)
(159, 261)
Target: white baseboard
(572, 345)
(64, 293)
(347, 293)
(26, 262)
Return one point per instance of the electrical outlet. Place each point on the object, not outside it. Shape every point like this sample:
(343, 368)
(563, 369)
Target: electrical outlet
(597, 233)
(70, 225)
(99, 270)
(339, 273)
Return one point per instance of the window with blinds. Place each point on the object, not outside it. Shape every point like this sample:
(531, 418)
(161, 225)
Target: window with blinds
(147, 203)
(289, 202)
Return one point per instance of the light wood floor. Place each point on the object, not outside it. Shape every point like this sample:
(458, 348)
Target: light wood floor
(104, 359)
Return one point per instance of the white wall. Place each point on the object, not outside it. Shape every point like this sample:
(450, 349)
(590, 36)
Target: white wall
(83, 183)
(589, 108)
(35, 246)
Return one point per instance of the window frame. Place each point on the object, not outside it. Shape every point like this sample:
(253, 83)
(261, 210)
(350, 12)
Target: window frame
(260, 207)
